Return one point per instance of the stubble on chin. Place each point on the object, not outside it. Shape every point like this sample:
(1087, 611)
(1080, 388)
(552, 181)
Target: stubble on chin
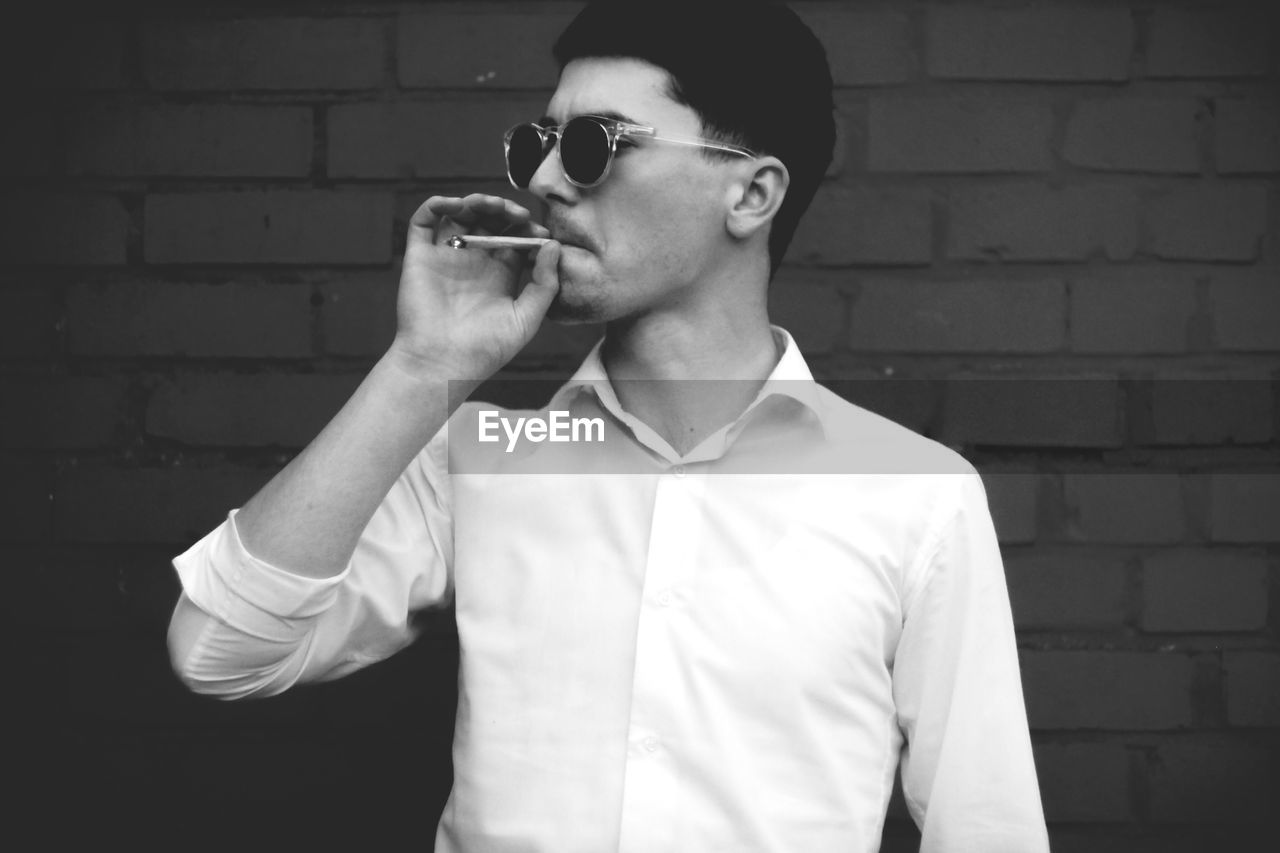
(573, 311)
(577, 302)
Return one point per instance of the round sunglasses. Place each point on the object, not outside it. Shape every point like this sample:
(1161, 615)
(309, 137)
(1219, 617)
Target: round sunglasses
(587, 147)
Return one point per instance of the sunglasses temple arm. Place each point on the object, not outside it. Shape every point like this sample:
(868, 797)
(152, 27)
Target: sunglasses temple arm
(704, 143)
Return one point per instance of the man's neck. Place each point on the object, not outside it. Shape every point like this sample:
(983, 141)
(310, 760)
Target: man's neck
(688, 378)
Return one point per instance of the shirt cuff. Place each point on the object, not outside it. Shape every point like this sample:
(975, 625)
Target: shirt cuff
(222, 578)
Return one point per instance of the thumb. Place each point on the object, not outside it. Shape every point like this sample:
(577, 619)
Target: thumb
(532, 303)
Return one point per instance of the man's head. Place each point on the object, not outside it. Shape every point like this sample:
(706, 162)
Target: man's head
(748, 73)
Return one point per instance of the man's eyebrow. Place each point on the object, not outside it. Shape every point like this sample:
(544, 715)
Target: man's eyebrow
(547, 121)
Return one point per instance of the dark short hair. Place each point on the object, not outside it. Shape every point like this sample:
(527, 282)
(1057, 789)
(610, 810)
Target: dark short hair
(754, 73)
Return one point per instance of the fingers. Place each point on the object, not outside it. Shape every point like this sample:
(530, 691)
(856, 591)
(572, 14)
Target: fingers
(532, 303)
(476, 211)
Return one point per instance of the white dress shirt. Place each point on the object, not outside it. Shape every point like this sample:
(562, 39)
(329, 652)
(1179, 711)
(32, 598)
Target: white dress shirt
(731, 650)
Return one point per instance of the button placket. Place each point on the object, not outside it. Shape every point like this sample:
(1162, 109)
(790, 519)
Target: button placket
(656, 700)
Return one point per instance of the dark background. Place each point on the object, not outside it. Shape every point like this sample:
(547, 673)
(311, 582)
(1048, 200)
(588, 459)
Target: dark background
(200, 220)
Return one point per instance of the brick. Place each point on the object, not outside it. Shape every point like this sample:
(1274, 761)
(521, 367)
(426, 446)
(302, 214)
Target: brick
(959, 316)
(1029, 222)
(28, 323)
(1212, 776)
(850, 131)
(1067, 590)
(1014, 500)
(94, 589)
(26, 490)
(28, 144)
(1140, 312)
(972, 43)
(99, 57)
(61, 51)
(1207, 43)
(215, 140)
(247, 411)
(813, 310)
(1033, 411)
(149, 505)
(1244, 508)
(1246, 136)
(1124, 508)
(264, 53)
(951, 135)
(1135, 135)
(483, 48)
(1244, 309)
(442, 139)
(238, 319)
(269, 227)
(865, 226)
(358, 314)
(76, 229)
(1189, 590)
(121, 680)
(1121, 839)
(1213, 223)
(1212, 409)
(1107, 690)
(1253, 688)
(1084, 781)
(305, 764)
(63, 412)
(863, 47)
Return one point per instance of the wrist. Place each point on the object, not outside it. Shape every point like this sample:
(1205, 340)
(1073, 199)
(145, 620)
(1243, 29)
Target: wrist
(423, 374)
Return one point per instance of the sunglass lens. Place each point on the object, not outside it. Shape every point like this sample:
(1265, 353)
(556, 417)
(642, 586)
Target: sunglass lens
(524, 154)
(584, 150)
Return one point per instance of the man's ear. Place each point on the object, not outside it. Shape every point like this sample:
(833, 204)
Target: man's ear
(754, 199)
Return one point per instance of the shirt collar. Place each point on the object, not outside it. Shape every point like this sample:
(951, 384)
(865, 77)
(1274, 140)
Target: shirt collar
(790, 378)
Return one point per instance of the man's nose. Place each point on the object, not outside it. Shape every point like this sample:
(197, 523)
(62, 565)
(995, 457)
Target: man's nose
(549, 180)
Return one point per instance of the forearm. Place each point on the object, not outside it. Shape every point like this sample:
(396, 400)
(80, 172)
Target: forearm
(309, 517)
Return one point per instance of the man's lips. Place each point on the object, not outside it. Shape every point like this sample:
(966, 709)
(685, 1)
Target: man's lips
(568, 242)
(569, 237)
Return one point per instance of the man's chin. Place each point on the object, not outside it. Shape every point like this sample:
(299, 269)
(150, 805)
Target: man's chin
(578, 301)
(571, 312)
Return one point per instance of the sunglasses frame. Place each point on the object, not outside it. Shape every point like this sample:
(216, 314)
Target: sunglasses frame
(614, 130)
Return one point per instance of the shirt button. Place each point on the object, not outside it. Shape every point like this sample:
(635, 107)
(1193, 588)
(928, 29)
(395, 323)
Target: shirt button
(650, 744)
(665, 597)
(678, 470)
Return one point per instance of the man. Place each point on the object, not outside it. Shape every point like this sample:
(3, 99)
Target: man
(724, 625)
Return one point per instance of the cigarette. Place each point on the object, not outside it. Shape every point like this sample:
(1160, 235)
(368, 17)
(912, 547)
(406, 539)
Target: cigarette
(476, 241)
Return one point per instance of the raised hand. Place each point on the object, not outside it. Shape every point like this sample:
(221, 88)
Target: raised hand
(466, 310)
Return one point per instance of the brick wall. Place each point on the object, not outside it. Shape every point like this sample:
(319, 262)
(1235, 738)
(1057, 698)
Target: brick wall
(1051, 238)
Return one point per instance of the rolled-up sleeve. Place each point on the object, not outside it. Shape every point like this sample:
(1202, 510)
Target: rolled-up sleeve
(968, 774)
(243, 627)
